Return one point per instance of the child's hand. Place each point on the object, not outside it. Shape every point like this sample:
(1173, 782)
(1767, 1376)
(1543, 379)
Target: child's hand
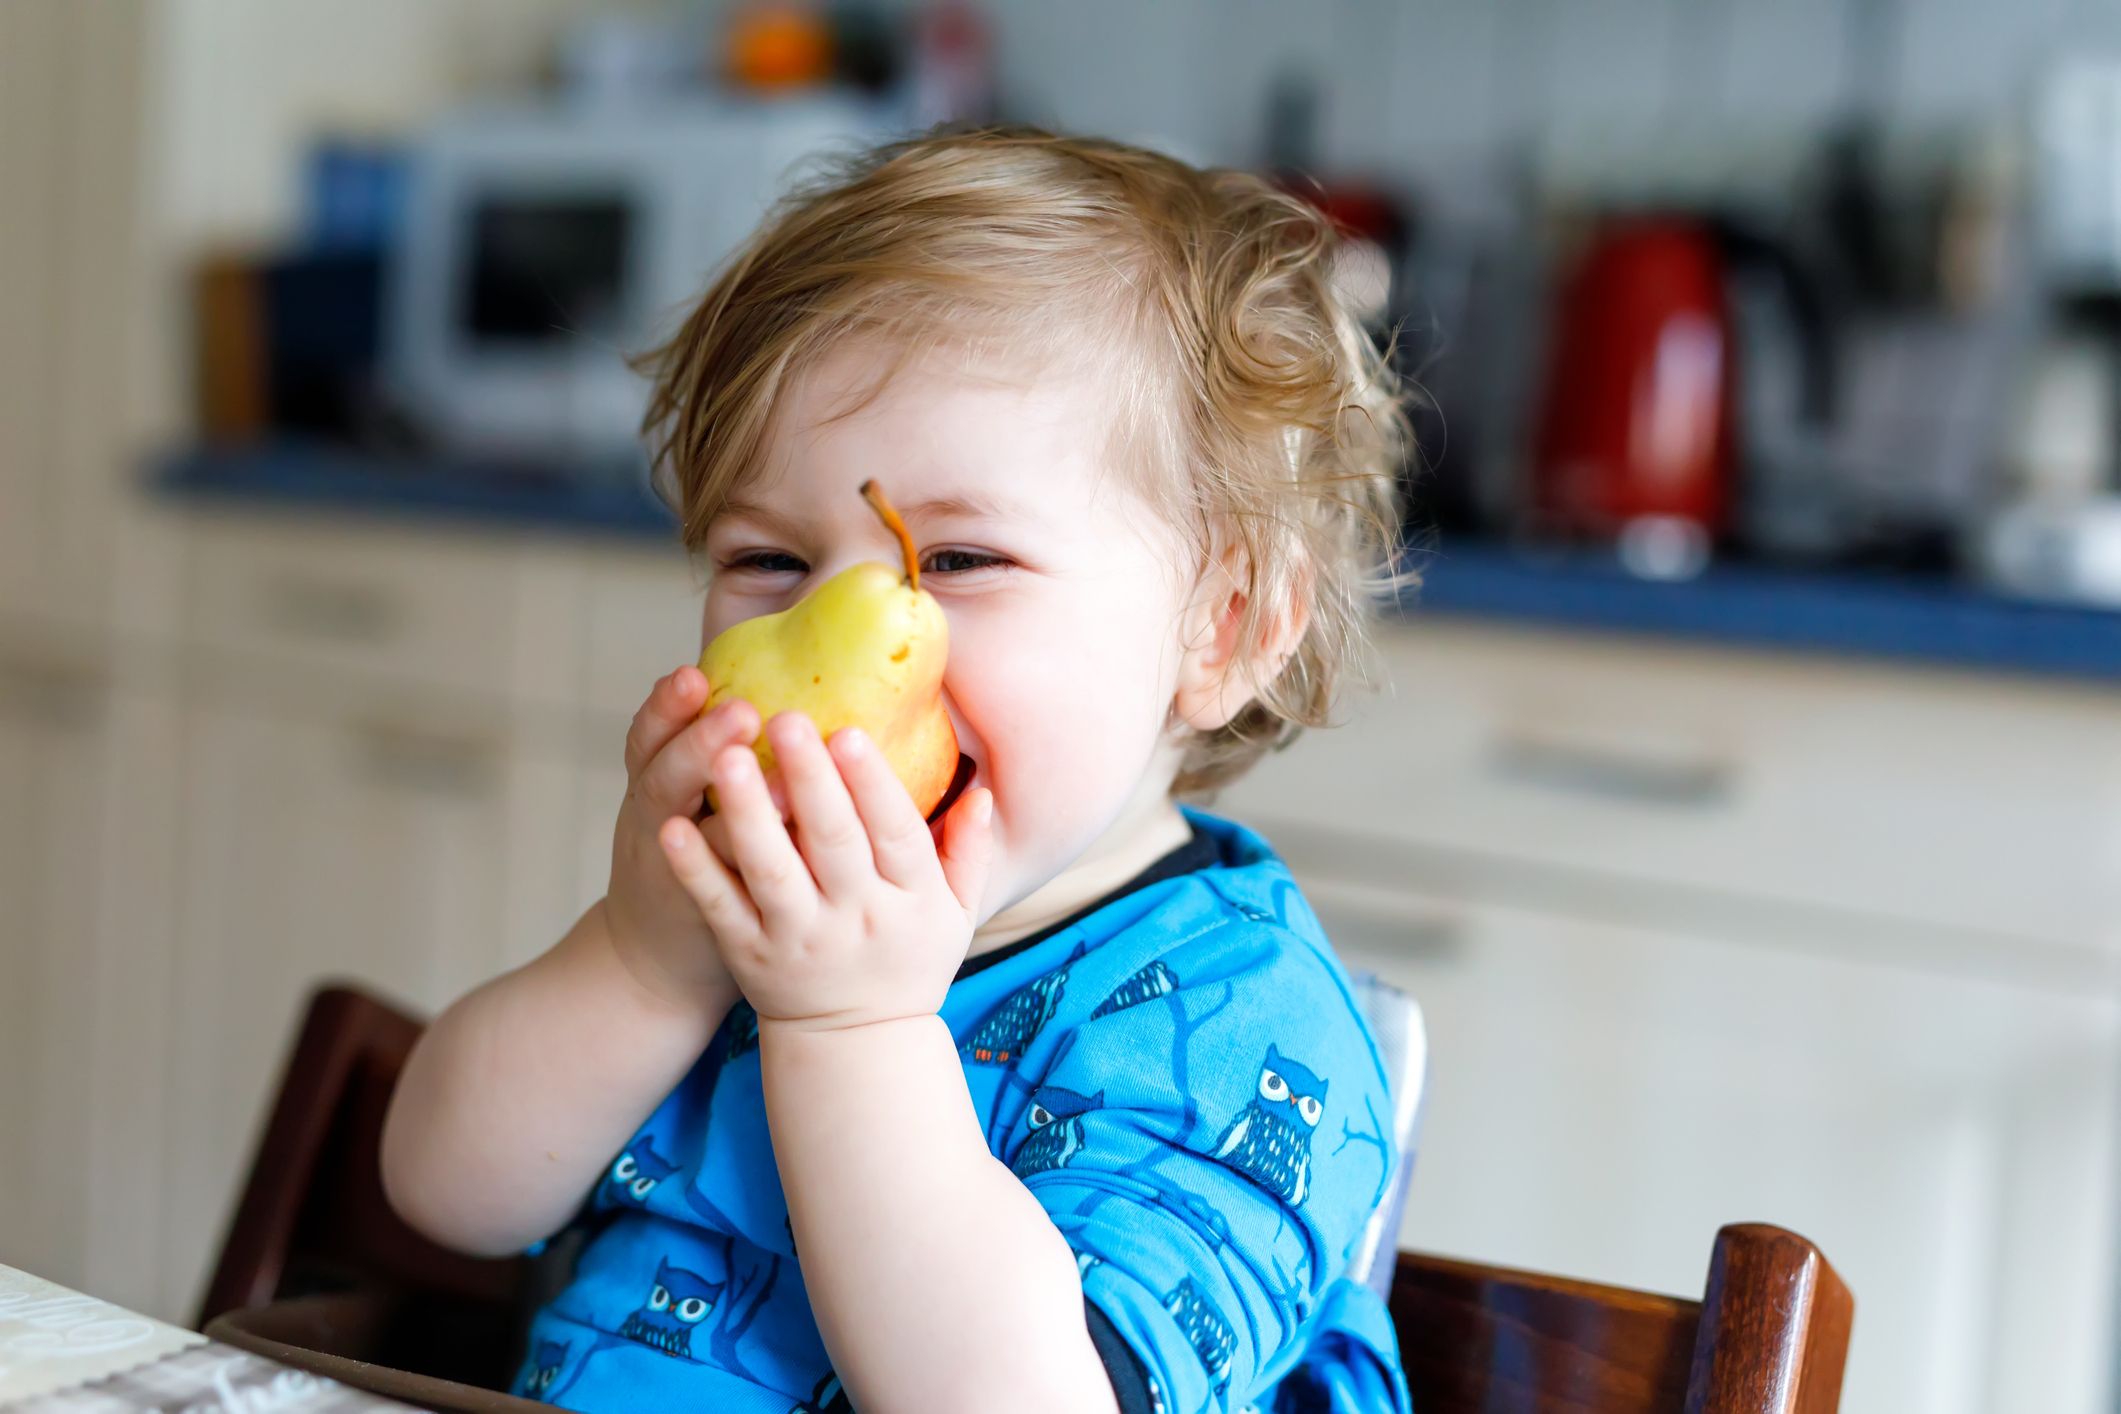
(655, 926)
(855, 916)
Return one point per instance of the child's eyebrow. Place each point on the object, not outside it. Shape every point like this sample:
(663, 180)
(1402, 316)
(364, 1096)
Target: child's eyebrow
(966, 504)
(970, 505)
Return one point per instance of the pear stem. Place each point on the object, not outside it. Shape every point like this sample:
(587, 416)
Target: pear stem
(874, 495)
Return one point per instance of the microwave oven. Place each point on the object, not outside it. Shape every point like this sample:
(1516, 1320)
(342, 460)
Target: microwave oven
(543, 245)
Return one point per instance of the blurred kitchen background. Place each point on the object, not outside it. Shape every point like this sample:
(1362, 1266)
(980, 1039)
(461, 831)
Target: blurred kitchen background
(1744, 806)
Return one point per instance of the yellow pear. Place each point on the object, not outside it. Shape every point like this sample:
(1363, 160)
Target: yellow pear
(866, 648)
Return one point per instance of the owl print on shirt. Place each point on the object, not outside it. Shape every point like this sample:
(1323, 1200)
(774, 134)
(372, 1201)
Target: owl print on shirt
(1056, 1121)
(541, 1369)
(1155, 980)
(636, 1172)
(1204, 1328)
(1270, 1140)
(828, 1397)
(1010, 1028)
(676, 1305)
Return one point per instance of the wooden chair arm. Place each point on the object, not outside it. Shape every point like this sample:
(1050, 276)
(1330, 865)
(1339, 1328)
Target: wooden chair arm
(1774, 1334)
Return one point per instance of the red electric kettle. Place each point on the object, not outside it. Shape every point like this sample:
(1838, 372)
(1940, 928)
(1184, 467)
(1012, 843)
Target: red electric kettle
(1687, 353)
(1637, 416)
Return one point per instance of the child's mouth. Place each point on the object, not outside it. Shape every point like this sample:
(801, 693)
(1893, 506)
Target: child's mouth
(960, 782)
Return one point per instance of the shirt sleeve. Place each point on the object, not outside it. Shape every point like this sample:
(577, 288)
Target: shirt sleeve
(1210, 1140)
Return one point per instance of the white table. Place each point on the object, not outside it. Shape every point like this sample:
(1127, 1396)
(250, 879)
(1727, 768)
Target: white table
(65, 1353)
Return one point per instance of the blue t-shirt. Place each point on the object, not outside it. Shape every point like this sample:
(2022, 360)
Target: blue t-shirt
(1181, 1076)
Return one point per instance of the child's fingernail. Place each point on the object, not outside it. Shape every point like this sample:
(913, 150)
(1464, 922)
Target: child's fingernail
(983, 808)
(854, 742)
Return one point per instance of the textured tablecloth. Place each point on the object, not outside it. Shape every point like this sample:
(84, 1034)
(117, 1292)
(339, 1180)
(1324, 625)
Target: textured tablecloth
(65, 1353)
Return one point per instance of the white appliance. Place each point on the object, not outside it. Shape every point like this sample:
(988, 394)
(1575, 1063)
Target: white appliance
(545, 244)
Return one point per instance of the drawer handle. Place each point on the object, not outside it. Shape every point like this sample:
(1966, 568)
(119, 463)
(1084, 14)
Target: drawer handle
(51, 695)
(316, 608)
(1614, 774)
(1387, 921)
(432, 762)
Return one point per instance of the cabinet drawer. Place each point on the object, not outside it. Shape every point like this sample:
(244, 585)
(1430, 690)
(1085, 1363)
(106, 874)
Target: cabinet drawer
(1602, 1098)
(1977, 804)
(489, 617)
(642, 618)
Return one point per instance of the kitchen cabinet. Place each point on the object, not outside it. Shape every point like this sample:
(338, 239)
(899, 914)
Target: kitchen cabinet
(87, 809)
(52, 752)
(74, 295)
(414, 851)
(1983, 813)
(641, 617)
(1700, 938)
(485, 621)
(1603, 1096)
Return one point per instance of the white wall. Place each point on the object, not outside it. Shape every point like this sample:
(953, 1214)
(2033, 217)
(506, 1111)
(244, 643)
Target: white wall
(1412, 86)
(1420, 85)
(241, 87)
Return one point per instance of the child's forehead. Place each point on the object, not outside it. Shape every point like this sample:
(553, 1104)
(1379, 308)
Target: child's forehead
(944, 435)
(940, 389)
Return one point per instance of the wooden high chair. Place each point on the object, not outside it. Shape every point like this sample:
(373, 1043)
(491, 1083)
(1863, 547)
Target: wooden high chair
(318, 1272)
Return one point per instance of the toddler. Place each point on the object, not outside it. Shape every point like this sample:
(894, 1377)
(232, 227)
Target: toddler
(1061, 1101)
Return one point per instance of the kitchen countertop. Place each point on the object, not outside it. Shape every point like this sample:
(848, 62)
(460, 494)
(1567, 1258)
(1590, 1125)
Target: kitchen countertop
(1927, 620)
(1933, 621)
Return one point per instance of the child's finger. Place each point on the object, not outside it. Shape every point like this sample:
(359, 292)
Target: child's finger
(828, 831)
(774, 874)
(674, 701)
(675, 782)
(968, 848)
(898, 836)
(719, 894)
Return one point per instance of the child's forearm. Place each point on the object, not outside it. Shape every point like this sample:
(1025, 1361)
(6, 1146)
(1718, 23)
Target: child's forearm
(937, 1281)
(519, 1093)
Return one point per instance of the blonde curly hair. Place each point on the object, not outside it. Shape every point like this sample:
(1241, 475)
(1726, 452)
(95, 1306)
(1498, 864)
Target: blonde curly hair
(1265, 422)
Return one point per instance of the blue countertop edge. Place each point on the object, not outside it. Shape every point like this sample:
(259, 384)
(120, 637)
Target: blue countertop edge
(1934, 622)
(324, 476)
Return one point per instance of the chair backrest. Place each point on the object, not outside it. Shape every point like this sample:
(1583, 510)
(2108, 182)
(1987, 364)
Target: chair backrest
(1769, 1336)
(1403, 1044)
(312, 1215)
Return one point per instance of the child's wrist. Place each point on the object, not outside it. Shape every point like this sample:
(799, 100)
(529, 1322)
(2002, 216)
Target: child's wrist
(882, 1046)
(661, 996)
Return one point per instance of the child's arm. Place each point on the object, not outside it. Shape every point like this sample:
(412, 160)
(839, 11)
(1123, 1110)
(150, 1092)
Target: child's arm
(937, 1280)
(519, 1093)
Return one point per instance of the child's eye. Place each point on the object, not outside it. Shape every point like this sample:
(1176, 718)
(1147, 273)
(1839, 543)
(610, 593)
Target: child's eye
(959, 561)
(767, 562)
(775, 562)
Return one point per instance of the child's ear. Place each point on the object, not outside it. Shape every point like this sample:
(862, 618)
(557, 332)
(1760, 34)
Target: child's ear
(1215, 680)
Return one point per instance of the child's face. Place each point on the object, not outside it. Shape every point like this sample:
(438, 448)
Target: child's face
(1063, 588)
